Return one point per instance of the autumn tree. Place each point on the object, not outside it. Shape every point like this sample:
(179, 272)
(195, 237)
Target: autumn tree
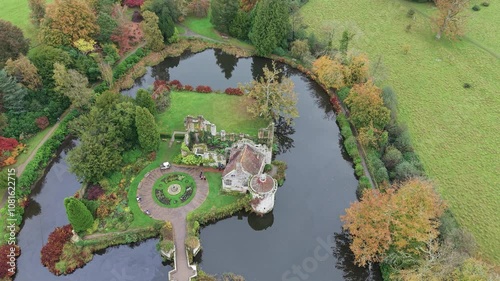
(330, 72)
(450, 19)
(149, 136)
(24, 71)
(271, 26)
(300, 49)
(367, 107)
(12, 42)
(223, 14)
(37, 13)
(152, 33)
(44, 57)
(272, 97)
(11, 94)
(403, 218)
(66, 21)
(79, 216)
(356, 70)
(73, 85)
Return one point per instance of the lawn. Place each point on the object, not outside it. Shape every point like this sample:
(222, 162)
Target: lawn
(161, 187)
(455, 130)
(216, 198)
(31, 144)
(18, 13)
(164, 154)
(226, 112)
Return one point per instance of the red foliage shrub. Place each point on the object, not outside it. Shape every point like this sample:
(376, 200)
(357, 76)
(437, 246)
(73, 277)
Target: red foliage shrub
(176, 84)
(188, 88)
(42, 122)
(94, 192)
(7, 260)
(336, 104)
(7, 144)
(127, 35)
(159, 84)
(51, 252)
(203, 89)
(234, 92)
(133, 3)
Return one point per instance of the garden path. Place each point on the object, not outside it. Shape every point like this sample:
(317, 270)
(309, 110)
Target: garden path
(183, 271)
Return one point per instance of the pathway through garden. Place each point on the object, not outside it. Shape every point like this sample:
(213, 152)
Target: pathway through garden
(183, 271)
(20, 168)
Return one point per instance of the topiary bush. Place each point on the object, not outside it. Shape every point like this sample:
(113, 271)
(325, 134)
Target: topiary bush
(392, 157)
(406, 170)
(485, 4)
(363, 184)
(476, 8)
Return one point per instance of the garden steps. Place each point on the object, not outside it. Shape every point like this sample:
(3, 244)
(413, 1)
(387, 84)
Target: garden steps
(177, 216)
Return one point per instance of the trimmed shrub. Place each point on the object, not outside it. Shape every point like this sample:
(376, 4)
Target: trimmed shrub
(188, 88)
(363, 184)
(485, 4)
(233, 92)
(358, 169)
(94, 192)
(406, 170)
(476, 8)
(175, 84)
(381, 175)
(133, 3)
(124, 66)
(78, 215)
(392, 157)
(203, 89)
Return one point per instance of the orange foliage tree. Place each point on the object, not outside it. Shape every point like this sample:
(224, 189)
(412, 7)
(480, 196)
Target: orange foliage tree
(67, 21)
(405, 217)
(341, 71)
(450, 19)
(329, 72)
(367, 107)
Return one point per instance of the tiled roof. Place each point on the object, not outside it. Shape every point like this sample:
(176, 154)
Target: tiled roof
(250, 159)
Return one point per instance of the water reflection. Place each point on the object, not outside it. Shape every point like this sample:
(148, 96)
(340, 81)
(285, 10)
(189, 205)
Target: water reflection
(283, 134)
(259, 223)
(226, 62)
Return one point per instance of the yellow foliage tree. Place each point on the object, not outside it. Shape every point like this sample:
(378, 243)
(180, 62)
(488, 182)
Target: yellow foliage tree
(66, 21)
(85, 46)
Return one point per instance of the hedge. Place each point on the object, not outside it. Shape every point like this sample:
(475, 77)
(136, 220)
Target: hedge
(124, 66)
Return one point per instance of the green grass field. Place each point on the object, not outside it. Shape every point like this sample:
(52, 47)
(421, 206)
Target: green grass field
(455, 130)
(233, 119)
(216, 198)
(18, 13)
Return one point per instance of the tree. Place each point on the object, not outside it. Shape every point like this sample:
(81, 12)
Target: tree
(223, 14)
(356, 70)
(12, 42)
(166, 24)
(66, 21)
(11, 94)
(73, 85)
(450, 19)
(37, 13)
(300, 49)
(330, 72)
(79, 216)
(403, 218)
(144, 99)
(366, 106)
(167, 12)
(272, 98)
(248, 5)
(98, 152)
(241, 25)
(149, 136)
(44, 57)
(198, 8)
(24, 71)
(344, 42)
(106, 25)
(152, 33)
(270, 27)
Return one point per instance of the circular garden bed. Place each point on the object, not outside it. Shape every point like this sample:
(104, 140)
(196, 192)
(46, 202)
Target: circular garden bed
(174, 190)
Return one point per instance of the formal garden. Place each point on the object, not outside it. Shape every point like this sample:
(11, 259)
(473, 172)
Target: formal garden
(412, 89)
(174, 190)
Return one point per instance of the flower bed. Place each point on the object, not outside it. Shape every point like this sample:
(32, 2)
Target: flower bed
(163, 195)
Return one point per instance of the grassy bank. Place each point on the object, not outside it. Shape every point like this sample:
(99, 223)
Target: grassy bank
(234, 117)
(452, 127)
(18, 13)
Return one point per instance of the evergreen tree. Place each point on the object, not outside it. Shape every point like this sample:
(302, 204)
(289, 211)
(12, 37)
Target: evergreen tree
(145, 100)
(271, 26)
(11, 94)
(106, 25)
(223, 14)
(152, 32)
(241, 25)
(166, 24)
(149, 136)
(78, 215)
